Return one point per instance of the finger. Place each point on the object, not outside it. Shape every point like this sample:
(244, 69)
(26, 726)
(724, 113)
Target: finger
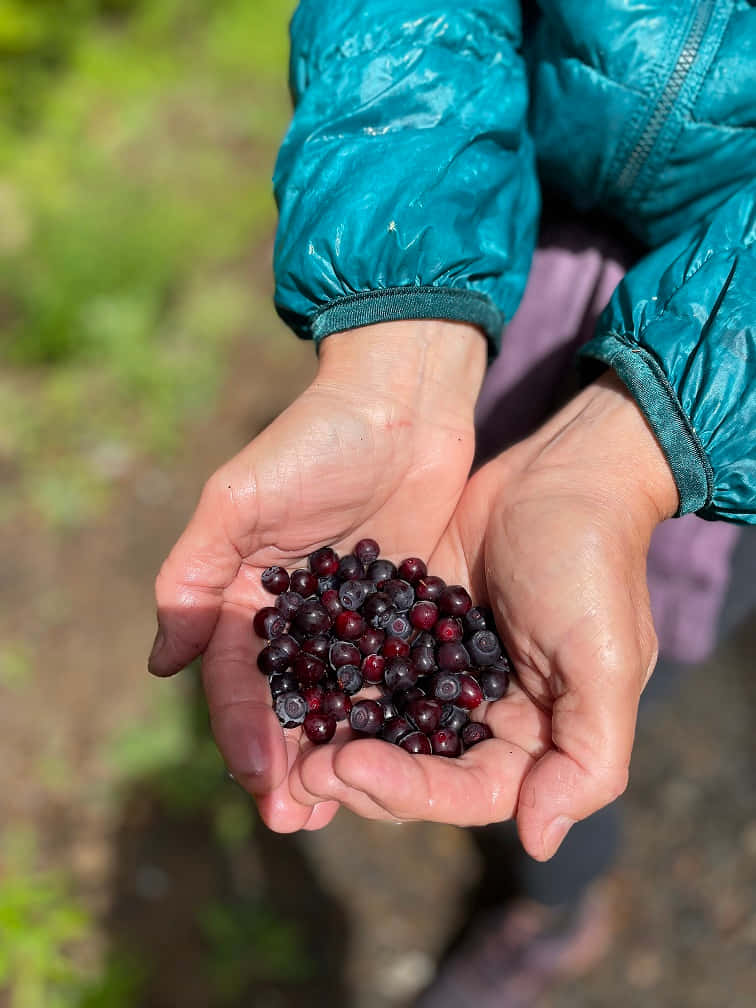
(321, 815)
(245, 727)
(191, 583)
(279, 809)
(593, 725)
(314, 781)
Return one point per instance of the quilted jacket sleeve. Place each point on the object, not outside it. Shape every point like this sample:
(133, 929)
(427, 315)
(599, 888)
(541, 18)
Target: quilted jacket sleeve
(681, 333)
(406, 184)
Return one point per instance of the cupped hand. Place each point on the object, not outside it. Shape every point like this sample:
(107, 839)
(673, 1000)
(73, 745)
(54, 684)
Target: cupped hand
(379, 445)
(554, 535)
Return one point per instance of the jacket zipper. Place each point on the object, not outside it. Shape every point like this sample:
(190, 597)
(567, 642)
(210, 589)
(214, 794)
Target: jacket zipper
(666, 101)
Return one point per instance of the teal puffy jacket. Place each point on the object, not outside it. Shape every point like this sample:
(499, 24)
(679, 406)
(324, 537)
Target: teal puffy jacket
(408, 187)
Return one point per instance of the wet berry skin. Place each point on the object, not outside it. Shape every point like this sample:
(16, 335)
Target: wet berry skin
(474, 732)
(303, 582)
(412, 569)
(424, 660)
(403, 697)
(424, 639)
(389, 706)
(287, 643)
(453, 657)
(381, 570)
(385, 621)
(366, 716)
(448, 630)
(337, 703)
(349, 678)
(470, 693)
(429, 589)
(349, 625)
(454, 601)
(445, 742)
(275, 580)
(423, 615)
(477, 618)
(400, 674)
(353, 594)
(395, 729)
(373, 667)
(312, 619)
(494, 683)
(425, 713)
(400, 627)
(400, 593)
(446, 687)
(454, 717)
(484, 647)
(344, 653)
(394, 647)
(308, 669)
(330, 602)
(272, 659)
(371, 641)
(317, 646)
(313, 697)
(283, 682)
(323, 562)
(417, 743)
(269, 623)
(290, 709)
(319, 728)
(288, 602)
(350, 568)
(376, 605)
(366, 551)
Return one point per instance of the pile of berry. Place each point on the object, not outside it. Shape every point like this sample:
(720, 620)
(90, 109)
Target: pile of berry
(359, 621)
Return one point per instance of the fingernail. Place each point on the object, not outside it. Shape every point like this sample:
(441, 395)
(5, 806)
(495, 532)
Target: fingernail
(157, 647)
(555, 833)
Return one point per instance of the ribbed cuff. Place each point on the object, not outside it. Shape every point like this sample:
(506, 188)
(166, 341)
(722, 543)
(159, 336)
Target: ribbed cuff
(640, 372)
(392, 304)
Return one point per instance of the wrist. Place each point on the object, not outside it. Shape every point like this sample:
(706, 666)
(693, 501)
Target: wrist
(432, 368)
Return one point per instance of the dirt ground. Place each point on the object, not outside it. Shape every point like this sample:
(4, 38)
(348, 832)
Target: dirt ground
(378, 903)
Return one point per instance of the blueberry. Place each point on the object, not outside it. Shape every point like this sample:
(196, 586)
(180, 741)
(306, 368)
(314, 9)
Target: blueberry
(275, 580)
(291, 709)
(272, 659)
(331, 603)
(288, 602)
(404, 696)
(371, 641)
(484, 647)
(395, 729)
(349, 678)
(470, 693)
(400, 593)
(424, 713)
(283, 682)
(385, 619)
(453, 657)
(353, 594)
(303, 582)
(478, 618)
(445, 742)
(429, 589)
(323, 562)
(350, 568)
(381, 570)
(417, 743)
(423, 615)
(317, 646)
(329, 582)
(269, 623)
(319, 728)
(336, 702)
(454, 601)
(448, 630)
(308, 669)
(376, 605)
(400, 627)
(366, 551)
(312, 619)
(389, 706)
(424, 659)
(313, 697)
(400, 674)
(373, 667)
(395, 647)
(366, 716)
(343, 653)
(454, 717)
(412, 569)
(445, 686)
(424, 639)
(494, 683)
(474, 732)
(349, 625)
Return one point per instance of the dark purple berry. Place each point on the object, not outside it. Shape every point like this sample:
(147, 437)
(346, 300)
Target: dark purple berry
(376, 605)
(272, 659)
(288, 602)
(403, 697)
(291, 709)
(494, 683)
(269, 623)
(447, 630)
(395, 729)
(400, 674)
(317, 646)
(470, 693)
(350, 568)
(381, 570)
(389, 706)
(287, 643)
(323, 562)
(312, 619)
(331, 603)
(366, 716)
(366, 551)
(454, 601)
(349, 678)
(329, 582)
(474, 732)
(308, 669)
(384, 620)
(349, 625)
(425, 713)
(319, 728)
(445, 742)
(395, 647)
(484, 647)
(275, 580)
(424, 639)
(337, 703)
(400, 593)
(371, 641)
(400, 627)
(423, 615)
(303, 582)
(445, 686)
(373, 667)
(454, 717)
(424, 660)
(417, 743)
(412, 569)
(477, 618)
(429, 589)
(353, 594)
(344, 653)
(313, 697)
(283, 682)
(453, 657)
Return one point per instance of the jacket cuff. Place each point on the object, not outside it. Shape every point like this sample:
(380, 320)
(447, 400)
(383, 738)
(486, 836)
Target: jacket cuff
(640, 372)
(393, 304)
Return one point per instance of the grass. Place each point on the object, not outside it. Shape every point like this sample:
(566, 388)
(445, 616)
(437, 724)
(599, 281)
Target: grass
(128, 208)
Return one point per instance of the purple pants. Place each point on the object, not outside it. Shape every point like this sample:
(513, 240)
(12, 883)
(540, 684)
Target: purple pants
(574, 274)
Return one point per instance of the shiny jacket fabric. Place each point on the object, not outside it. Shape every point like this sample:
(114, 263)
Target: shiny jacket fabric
(408, 187)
